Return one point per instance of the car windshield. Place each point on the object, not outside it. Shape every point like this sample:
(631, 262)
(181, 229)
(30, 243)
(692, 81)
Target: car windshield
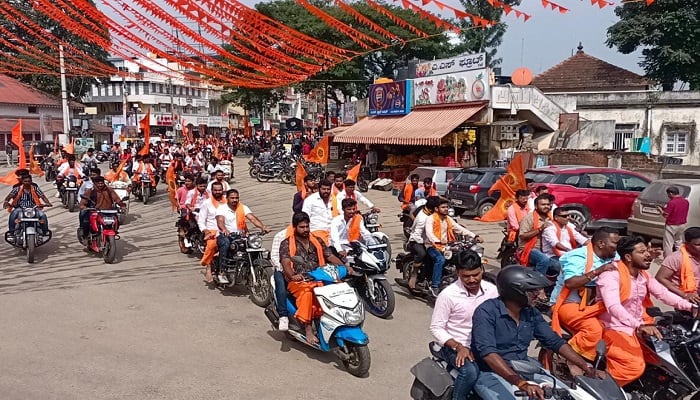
(423, 173)
(656, 192)
(469, 177)
(539, 176)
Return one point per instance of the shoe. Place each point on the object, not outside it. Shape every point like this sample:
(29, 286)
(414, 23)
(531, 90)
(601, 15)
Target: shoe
(283, 324)
(434, 291)
(222, 278)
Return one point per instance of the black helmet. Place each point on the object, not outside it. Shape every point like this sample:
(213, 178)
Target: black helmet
(514, 281)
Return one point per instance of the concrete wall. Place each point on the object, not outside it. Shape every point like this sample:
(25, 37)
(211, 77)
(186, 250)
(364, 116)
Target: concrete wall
(650, 166)
(22, 111)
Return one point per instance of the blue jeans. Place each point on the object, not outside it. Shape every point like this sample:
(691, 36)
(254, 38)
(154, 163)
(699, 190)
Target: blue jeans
(17, 214)
(490, 386)
(224, 242)
(281, 294)
(543, 263)
(466, 378)
(84, 221)
(438, 263)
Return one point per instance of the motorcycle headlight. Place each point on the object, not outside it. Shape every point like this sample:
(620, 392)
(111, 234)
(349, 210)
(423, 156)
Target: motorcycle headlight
(71, 184)
(451, 212)
(447, 254)
(255, 242)
(372, 219)
(29, 213)
(353, 318)
(233, 246)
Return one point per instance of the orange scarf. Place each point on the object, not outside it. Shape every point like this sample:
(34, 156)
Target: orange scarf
(565, 292)
(354, 228)
(572, 239)
(525, 256)
(408, 191)
(35, 196)
(626, 291)
(314, 242)
(240, 218)
(688, 284)
(335, 210)
(437, 230)
(432, 191)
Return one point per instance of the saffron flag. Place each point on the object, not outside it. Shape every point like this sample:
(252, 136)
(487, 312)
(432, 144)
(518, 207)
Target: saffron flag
(34, 167)
(171, 181)
(16, 138)
(354, 172)
(70, 148)
(145, 125)
(508, 184)
(116, 175)
(319, 154)
(300, 175)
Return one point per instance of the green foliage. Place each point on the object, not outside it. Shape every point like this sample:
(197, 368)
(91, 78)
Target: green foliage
(484, 40)
(668, 31)
(78, 86)
(256, 100)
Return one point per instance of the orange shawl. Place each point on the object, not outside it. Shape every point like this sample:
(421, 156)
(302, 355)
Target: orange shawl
(240, 217)
(335, 210)
(688, 283)
(314, 242)
(35, 197)
(437, 230)
(572, 239)
(565, 292)
(354, 228)
(525, 256)
(408, 191)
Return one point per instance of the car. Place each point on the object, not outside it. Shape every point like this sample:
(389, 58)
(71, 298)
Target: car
(469, 191)
(646, 220)
(441, 176)
(594, 196)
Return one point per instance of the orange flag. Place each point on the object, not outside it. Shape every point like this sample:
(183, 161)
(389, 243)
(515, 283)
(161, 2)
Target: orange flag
(34, 167)
(508, 184)
(354, 172)
(145, 125)
(319, 154)
(116, 175)
(171, 181)
(300, 175)
(70, 148)
(17, 140)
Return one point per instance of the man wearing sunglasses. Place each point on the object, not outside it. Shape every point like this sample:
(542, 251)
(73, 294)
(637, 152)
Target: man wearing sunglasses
(561, 236)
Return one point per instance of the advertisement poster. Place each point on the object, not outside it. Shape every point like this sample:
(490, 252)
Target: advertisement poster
(393, 98)
(460, 87)
(469, 62)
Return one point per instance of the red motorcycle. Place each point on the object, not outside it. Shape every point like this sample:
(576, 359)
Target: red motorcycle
(103, 234)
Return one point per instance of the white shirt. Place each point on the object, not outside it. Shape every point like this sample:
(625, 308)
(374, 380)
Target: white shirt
(340, 232)
(201, 198)
(275, 249)
(206, 220)
(457, 228)
(230, 220)
(319, 212)
(550, 239)
(77, 169)
(359, 197)
(418, 227)
(87, 184)
(224, 183)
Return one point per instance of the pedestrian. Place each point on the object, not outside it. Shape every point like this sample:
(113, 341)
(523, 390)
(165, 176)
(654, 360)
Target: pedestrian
(676, 214)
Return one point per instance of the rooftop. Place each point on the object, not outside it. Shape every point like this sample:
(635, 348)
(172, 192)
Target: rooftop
(585, 73)
(13, 91)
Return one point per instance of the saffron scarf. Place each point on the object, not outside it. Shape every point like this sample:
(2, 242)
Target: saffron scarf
(240, 217)
(335, 210)
(572, 238)
(206, 196)
(354, 228)
(314, 242)
(35, 196)
(688, 283)
(525, 256)
(408, 191)
(437, 230)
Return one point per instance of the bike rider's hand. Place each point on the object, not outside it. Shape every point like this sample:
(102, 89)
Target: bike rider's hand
(693, 298)
(463, 354)
(6, 205)
(478, 239)
(650, 330)
(533, 391)
(297, 277)
(375, 210)
(265, 229)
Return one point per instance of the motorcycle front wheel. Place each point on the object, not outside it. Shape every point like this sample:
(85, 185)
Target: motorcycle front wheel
(359, 359)
(253, 172)
(261, 179)
(70, 200)
(286, 178)
(30, 247)
(146, 194)
(362, 185)
(384, 302)
(508, 257)
(261, 292)
(109, 253)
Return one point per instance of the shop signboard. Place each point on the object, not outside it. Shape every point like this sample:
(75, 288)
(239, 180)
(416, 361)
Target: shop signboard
(459, 87)
(467, 62)
(215, 121)
(392, 98)
(83, 144)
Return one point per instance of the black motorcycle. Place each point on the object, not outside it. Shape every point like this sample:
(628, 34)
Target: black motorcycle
(246, 263)
(28, 234)
(68, 188)
(49, 167)
(189, 237)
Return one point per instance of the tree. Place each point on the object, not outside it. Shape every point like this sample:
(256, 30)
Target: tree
(668, 31)
(77, 86)
(257, 100)
(484, 40)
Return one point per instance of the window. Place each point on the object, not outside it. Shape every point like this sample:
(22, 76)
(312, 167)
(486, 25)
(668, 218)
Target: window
(153, 87)
(633, 183)
(598, 181)
(31, 110)
(469, 177)
(623, 136)
(676, 142)
(160, 88)
(569, 179)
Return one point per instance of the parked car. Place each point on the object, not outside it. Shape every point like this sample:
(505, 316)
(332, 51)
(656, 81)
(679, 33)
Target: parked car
(646, 220)
(469, 191)
(594, 196)
(441, 176)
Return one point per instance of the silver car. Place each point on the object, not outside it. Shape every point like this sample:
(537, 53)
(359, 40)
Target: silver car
(646, 220)
(442, 176)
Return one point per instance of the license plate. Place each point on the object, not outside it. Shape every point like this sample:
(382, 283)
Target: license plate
(458, 202)
(650, 210)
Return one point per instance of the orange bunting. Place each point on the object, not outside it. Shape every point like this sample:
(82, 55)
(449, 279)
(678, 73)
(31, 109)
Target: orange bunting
(354, 172)
(300, 175)
(356, 36)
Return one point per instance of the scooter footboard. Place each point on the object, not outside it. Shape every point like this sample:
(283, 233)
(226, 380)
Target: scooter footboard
(352, 334)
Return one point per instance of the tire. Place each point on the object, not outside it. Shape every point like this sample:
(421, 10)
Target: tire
(578, 217)
(110, 251)
(483, 208)
(407, 269)
(385, 300)
(508, 257)
(70, 201)
(181, 243)
(261, 179)
(146, 194)
(261, 295)
(362, 185)
(360, 360)
(30, 247)
(253, 172)
(286, 178)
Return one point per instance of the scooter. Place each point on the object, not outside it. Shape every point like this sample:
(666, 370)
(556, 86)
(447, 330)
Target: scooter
(123, 190)
(339, 329)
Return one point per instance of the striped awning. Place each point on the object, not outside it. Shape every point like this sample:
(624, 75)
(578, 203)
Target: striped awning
(366, 130)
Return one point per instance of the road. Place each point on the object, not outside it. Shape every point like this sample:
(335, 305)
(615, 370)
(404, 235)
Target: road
(148, 327)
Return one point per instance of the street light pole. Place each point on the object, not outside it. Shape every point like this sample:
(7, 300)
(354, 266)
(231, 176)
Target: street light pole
(325, 99)
(64, 91)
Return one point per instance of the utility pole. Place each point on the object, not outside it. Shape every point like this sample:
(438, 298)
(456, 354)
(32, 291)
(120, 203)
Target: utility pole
(326, 116)
(125, 102)
(172, 108)
(64, 92)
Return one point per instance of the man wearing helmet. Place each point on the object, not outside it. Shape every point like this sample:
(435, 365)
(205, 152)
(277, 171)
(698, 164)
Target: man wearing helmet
(503, 329)
(451, 324)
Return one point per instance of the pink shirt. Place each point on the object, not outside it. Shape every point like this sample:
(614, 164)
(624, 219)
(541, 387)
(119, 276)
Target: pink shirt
(181, 195)
(674, 262)
(454, 308)
(512, 216)
(626, 317)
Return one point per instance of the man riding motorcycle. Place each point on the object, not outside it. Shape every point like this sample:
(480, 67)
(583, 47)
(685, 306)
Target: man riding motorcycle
(530, 234)
(102, 197)
(25, 194)
(116, 175)
(348, 227)
(144, 165)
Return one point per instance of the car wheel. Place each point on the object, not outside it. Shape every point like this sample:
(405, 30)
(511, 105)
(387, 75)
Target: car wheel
(578, 217)
(484, 208)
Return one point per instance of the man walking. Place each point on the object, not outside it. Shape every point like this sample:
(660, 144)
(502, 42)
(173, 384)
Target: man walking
(676, 214)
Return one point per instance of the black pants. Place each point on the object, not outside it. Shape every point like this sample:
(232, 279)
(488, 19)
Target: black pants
(418, 250)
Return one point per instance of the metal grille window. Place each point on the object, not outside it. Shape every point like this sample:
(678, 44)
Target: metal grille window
(676, 142)
(623, 136)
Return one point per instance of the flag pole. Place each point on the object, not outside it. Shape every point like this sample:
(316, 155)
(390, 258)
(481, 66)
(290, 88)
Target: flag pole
(64, 91)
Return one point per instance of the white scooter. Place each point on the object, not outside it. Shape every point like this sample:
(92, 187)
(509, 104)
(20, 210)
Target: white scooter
(120, 188)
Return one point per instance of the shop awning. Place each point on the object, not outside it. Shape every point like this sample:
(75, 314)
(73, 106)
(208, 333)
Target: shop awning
(337, 130)
(366, 130)
(427, 126)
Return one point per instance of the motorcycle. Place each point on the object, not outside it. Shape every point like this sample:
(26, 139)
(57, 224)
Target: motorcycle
(371, 220)
(68, 188)
(507, 252)
(49, 168)
(122, 190)
(370, 266)
(246, 262)
(269, 170)
(144, 189)
(339, 329)
(363, 178)
(28, 233)
(103, 232)
(190, 238)
(227, 167)
(254, 167)
(434, 378)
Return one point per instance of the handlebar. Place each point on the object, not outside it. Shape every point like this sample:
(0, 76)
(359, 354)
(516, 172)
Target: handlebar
(548, 393)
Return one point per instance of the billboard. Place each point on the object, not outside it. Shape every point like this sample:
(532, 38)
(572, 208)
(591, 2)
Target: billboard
(469, 62)
(392, 98)
(459, 87)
